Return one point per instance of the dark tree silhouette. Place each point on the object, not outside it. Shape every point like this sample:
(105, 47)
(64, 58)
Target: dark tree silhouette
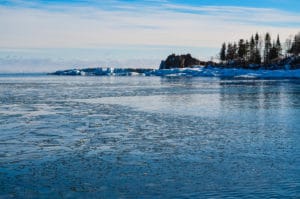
(252, 50)
(223, 52)
(244, 52)
(230, 52)
(247, 50)
(267, 48)
(235, 51)
(295, 50)
(278, 46)
(242, 49)
(273, 53)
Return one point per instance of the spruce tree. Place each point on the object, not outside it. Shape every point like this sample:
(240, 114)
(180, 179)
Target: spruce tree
(223, 52)
(267, 48)
(257, 57)
(241, 49)
(278, 46)
(297, 42)
(230, 53)
(256, 40)
(273, 53)
(235, 51)
(296, 45)
(247, 55)
(288, 46)
(252, 50)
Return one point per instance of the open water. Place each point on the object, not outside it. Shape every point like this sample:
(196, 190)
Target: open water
(149, 137)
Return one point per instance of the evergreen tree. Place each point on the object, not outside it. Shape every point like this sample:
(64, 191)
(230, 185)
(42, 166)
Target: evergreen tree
(288, 45)
(241, 49)
(257, 57)
(296, 45)
(230, 52)
(267, 48)
(256, 40)
(278, 46)
(235, 51)
(252, 50)
(247, 55)
(257, 51)
(223, 52)
(273, 53)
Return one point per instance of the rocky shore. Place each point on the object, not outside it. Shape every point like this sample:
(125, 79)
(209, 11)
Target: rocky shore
(186, 65)
(187, 61)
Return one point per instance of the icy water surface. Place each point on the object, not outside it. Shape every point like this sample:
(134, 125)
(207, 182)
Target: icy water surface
(148, 137)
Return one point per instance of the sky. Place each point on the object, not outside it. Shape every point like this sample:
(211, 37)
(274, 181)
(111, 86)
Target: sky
(48, 35)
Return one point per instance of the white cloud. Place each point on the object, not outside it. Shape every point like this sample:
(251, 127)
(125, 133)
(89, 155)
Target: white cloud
(128, 25)
(90, 27)
(246, 14)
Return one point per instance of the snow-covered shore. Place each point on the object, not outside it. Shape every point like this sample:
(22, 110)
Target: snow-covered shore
(198, 71)
(228, 73)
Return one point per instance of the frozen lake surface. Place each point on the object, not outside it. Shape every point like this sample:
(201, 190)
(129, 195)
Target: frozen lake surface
(148, 137)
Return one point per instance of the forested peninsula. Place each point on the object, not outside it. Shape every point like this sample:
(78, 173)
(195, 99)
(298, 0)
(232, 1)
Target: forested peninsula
(259, 56)
(259, 52)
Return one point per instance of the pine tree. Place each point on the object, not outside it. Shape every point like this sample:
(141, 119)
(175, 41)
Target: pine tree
(235, 51)
(288, 45)
(256, 40)
(257, 57)
(273, 53)
(278, 46)
(296, 45)
(241, 49)
(297, 42)
(267, 48)
(247, 55)
(230, 52)
(252, 50)
(257, 52)
(223, 52)
(258, 49)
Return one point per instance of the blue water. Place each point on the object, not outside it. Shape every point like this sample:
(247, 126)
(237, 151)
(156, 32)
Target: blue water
(148, 137)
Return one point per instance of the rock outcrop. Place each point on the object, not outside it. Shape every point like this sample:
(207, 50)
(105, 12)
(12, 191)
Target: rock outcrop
(179, 61)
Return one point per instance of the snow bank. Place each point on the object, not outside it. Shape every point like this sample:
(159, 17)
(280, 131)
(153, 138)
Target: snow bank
(226, 73)
(189, 72)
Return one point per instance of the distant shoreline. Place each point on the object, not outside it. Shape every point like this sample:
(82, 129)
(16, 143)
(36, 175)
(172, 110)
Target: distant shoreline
(22, 74)
(196, 71)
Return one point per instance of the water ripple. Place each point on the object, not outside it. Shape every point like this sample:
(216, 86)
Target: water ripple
(149, 137)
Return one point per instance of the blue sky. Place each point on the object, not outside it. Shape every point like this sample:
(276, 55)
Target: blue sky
(44, 35)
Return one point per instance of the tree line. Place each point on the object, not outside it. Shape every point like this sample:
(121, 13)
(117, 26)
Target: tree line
(259, 50)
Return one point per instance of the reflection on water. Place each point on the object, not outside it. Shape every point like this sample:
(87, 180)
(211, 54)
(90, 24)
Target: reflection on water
(148, 137)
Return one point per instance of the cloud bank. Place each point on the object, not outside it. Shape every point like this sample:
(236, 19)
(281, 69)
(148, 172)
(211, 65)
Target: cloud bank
(154, 24)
